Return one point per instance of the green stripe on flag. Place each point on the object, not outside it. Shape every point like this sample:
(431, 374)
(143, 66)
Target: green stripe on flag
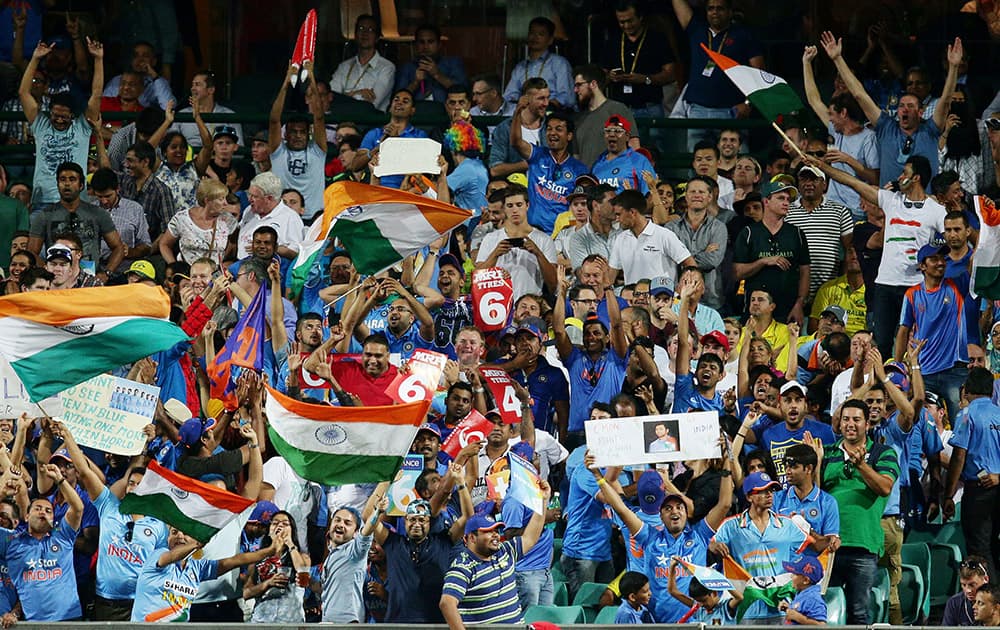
(370, 251)
(777, 100)
(336, 470)
(161, 506)
(71, 362)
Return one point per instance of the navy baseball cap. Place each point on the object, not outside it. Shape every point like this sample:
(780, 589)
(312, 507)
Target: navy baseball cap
(192, 430)
(807, 566)
(481, 523)
(650, 492)
(263, 512)
(927, 251)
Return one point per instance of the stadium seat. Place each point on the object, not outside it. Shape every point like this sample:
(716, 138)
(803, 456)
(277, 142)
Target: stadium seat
(880, 592)
(878, 607)
(945, 561)
(561, 594)
(557, 572)
(606, 616)
(919, 555)
(589, 597)
(555, 614)
(836, 606)
(912, 594)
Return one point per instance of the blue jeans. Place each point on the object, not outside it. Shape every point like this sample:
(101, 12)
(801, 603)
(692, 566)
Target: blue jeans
(700, 111)
(884, 305)
(578, 571)
(534, 588)
(947, 383)
(854, 569)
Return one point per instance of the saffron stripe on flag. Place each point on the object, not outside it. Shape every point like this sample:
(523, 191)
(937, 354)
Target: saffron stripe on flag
(63, 306)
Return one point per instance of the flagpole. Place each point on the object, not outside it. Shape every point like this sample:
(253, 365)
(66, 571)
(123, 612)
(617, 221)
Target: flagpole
(345, 294)
(788, 140)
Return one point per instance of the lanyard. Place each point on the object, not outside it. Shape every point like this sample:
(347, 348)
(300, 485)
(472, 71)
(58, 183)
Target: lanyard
(722, 42)
(541, 69)
(361, 76)
(635, 58)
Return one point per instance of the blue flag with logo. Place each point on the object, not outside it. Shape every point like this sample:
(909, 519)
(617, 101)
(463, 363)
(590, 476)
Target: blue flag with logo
(244, 348)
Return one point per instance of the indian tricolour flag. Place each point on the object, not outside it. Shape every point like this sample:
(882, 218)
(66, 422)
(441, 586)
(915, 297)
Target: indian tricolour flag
(986, 257)
(57, 339)
(378, 226)
(196, 508)
(342, 445)
(770, 94)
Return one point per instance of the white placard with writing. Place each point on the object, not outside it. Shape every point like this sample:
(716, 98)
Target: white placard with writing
(405, 156)
(108, 413)
(651, 439)
(14, 399)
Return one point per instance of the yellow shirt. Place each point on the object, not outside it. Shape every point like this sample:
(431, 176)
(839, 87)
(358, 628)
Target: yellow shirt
(777, 335)
(838, 291)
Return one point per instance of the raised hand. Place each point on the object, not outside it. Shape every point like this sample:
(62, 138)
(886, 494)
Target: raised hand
(95, 48)
(832, 45)
(955, 53)
(41, 50)
(808, 54)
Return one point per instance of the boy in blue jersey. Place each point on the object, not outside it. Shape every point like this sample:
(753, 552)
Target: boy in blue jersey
(808, 607)
(717, 608)
(803, 496)
(634, 589)
(552, 170)
(710, 369)
(621, 166)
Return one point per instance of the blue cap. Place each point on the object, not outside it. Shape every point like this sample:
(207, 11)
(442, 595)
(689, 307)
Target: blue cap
(419, 507)
(427, 426)
(807, 566)
(759, 482)
(898, 374)
(661, 284)
(192, 430)
(649, 490)
(509, 330)
(481, 523)
(534, 325)
(523, 450)
(927, 251)
(451, 259)
(62, 454)
(262, 512)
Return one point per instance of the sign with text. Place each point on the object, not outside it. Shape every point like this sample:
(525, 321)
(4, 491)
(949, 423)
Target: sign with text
(108, 413)
(652, 439)
(502, 389)
(14, 399)
(308, 380)
(401, 492)
(421, 378)
(492, 298)
(473, 428)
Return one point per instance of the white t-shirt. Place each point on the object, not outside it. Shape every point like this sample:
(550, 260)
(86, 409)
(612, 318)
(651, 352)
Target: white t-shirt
(283, 219)
(292, 493)
(656, 252)
(841, 389)
(907, 229)
(525, 272)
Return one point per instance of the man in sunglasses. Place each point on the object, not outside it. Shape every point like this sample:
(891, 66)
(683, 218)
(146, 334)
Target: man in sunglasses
(859, 473)
(958, 610)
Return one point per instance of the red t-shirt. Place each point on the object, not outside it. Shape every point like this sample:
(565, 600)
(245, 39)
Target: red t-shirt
(353, 378)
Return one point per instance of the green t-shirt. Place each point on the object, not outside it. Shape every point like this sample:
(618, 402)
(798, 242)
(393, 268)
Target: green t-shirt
(860, 508)
(756, 242)
(13, 217)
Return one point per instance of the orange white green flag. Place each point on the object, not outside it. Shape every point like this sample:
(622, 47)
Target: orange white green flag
(769, 93)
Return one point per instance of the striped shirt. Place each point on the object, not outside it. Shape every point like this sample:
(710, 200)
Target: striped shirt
(824, 227)
(486, 589)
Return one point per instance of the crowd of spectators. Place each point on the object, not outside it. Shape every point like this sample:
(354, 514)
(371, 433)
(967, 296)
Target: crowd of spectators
(814, 293)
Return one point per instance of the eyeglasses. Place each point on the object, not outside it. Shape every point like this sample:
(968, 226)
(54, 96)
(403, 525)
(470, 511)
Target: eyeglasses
(365, 29)
(586, 301)
(907, 145)
(580, 83)
(614, 131)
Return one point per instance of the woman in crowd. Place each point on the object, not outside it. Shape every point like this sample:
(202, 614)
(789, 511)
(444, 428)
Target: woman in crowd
(202, 231)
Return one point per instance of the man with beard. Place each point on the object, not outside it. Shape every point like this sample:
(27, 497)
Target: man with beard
(503, 154)
(299, 161)
(139, 185)
(347, 544)
(127, 215)
(366, 379)
(427, 443)
(418, 557)
(480, 586)
(957, 236)
(39, 558)
(859, 473)
(654, 546)
(319, 292)
(401, 111)
(430, 74)
(545, 382)
(409, 323)
(71, 214)
(450, 309)
(457, 405)
(620, 165)
(595, 108)
(911, 135)
(760, 540)
(552, 171)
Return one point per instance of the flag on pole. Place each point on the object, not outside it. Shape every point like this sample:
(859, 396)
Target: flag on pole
(985, 280)
(341, 445)
(769, 93)
(196, 508)
(244, 348)
(57, 339)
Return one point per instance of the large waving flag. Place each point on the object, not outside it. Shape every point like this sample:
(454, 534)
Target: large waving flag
(57, 339)
(196, 508)
(342, 445)
(709, 577)
(986, 258)
(244, 348)
(768, 589)
(770, 94)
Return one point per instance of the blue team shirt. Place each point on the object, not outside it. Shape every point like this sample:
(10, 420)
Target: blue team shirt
(761, 554)
(449, 318)
(938, 316)
(687, 397)
(166, 593)
(588, 524)
(405, 344)
(548, 184)
(627, 615)
(929, 442)
(656, 546)
(547, 384)
(372, 140)
(628, 166)
(721, 615)
(818, 508)
(538, 557)
(592, 381)
(888, 432)
(976, 432)
(120, 557)
(42, 572)
(777, 438)
(809, 601)
(635, 562)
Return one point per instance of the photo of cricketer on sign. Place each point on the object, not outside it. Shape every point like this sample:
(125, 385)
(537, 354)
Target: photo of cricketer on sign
(627, 441)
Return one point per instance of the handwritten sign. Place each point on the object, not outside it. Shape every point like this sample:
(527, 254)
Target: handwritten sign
(492, 297)
(403, 156)
(401, 492)
(503, 392)
(108, 413)
(652, 439)
(14, 399)
(420, 380)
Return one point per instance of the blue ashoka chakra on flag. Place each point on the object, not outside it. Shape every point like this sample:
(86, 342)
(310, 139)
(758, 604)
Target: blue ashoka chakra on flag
(331, 435)
(767, 77)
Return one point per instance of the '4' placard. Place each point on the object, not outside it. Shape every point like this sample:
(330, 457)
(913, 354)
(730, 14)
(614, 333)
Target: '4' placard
(502, 389)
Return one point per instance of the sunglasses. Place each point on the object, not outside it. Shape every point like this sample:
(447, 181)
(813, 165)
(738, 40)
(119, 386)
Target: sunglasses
(908, 146)
(972, 565)
(993, 124)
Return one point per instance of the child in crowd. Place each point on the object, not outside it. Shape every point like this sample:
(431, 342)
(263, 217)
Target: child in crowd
(712, 607)
(635, 595)
(808, 607)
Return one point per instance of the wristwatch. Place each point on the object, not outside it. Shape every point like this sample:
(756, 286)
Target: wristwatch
(649, 81)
